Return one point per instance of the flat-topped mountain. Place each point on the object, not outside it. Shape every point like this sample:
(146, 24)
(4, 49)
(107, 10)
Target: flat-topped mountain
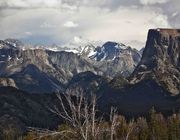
(161, 59)
(168, 31)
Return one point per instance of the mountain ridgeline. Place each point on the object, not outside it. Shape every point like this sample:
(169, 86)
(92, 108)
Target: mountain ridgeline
(40, 70)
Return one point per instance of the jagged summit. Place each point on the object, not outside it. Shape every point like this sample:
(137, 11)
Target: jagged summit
(33, 68)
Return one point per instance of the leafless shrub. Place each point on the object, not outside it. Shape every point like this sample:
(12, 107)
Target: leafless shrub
(80, 115)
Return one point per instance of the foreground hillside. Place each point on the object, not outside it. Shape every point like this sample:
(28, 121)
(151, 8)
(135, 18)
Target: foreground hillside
(27, 116)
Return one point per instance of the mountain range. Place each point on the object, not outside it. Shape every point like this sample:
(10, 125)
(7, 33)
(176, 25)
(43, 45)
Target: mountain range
(42, 70)
(132, 81)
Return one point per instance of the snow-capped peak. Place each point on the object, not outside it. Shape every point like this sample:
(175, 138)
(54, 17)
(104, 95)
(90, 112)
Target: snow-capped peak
(109, 51)
(82, 46)
(14, 42)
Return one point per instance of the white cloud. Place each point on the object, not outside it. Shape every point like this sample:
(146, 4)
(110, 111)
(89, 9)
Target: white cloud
(150, 2)
(160, 20)
(70, 7)
(104, 25)
(77, 39)
(70, 24)
(28, 33)
(60, 25)
(46, 25)
(174, 14)
(30, 3)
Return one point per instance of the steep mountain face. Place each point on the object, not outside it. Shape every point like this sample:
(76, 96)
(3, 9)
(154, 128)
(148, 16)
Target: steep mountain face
(111, 57)
(29, 69)
(71, 63)
(33, 80)
(161, 60)
(38, 70)
(116, 59)
(108, 51)
(141, 51)
(88, 50)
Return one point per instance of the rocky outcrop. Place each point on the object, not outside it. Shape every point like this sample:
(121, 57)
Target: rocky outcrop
(161, 60)
(7, 82)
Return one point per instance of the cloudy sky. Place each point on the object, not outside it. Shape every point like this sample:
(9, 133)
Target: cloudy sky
(62, 21)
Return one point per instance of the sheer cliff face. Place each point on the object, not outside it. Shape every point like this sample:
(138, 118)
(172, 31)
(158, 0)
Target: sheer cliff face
(38, 70)
(161, 59)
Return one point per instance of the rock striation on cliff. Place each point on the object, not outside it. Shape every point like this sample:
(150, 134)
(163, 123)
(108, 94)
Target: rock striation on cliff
(161, 60)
